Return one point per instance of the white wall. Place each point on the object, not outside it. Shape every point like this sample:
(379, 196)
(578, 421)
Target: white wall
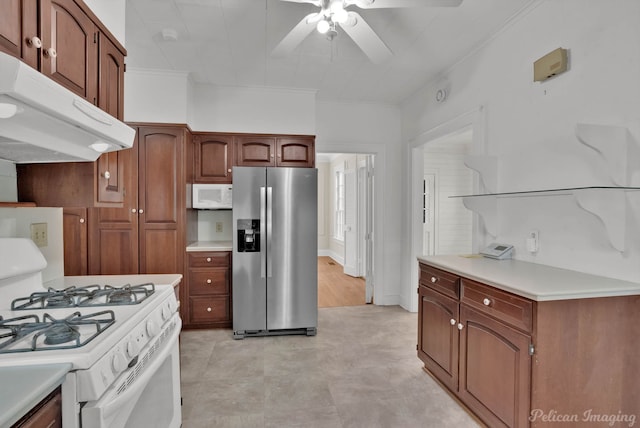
(111, 13)
(16, 223)
(453, 221)
(530, 127)
(8, 183)
(324, 227)
(253, 110)
(152, 96)
(373, 129)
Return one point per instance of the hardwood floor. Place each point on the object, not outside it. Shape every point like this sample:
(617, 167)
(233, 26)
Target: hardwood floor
(337, 289)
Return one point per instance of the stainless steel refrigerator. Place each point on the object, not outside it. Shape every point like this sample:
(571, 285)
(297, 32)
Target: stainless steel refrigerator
(275, 249)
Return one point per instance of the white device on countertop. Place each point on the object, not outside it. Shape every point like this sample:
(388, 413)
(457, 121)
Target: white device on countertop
(498, 251)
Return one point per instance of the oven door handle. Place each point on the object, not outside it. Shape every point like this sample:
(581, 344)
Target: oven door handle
(113, 405)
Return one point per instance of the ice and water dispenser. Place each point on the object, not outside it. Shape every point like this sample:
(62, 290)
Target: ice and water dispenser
(248, 235)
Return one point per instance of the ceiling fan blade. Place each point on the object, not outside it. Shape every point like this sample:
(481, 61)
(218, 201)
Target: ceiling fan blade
(382, 4)
(366, 39)
(296, 35)
(313, 2)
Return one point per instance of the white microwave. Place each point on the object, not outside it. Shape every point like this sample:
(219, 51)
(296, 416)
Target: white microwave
(212, 196)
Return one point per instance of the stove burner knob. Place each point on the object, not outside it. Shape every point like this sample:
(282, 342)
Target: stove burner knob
(118, 363)
(152, 328)
(166, 312)
(132, 349)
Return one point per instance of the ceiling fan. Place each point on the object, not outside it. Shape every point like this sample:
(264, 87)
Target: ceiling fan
(334, 14)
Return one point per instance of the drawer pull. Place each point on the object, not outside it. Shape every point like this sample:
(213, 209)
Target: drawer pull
(452, 321)
(208, 281)
(209, 309)
(209, 259)
(486, 301)
(460, 326)
(434, 279)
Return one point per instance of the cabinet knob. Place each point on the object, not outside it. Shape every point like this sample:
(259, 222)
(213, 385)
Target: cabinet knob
(434, 279)
(208, 259)
(208, 281)
(34, 42)
(133, 210)
(460, 326)
(106, 175)
(51, 52)
(486, 301)
(271, 155)
(452, 321)
(209, 309)
(141, 211)
(229, 170)
(81, 220)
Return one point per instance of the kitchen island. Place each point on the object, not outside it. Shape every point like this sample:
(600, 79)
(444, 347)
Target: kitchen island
(522, 344)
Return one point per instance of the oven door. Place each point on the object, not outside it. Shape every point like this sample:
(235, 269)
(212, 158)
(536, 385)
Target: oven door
(151, 399)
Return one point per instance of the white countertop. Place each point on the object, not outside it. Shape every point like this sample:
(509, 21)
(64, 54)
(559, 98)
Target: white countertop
(531, 280)
(22, 388)
(114, 280)
(210, 246)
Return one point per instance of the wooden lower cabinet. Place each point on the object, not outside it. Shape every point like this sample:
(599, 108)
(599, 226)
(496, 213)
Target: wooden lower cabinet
(208, 289)
(515, 362)
(47, 414)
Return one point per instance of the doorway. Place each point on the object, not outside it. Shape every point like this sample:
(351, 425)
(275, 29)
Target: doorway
(345, 228)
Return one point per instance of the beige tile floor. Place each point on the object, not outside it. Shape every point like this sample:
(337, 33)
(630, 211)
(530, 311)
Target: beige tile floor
(361, 370)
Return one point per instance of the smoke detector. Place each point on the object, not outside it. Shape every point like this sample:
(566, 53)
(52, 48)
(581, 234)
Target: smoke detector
(169, 35)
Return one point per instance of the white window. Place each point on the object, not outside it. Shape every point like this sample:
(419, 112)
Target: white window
(338, 225)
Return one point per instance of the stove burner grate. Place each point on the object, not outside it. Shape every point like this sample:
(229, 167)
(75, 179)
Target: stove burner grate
(91, 295)
(29, 333)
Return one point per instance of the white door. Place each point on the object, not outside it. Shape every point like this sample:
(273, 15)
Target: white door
(428, 211)
(368, 249)
(350, 223)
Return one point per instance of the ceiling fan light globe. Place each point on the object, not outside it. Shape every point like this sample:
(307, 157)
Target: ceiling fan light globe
(323, 26)
(341, 16)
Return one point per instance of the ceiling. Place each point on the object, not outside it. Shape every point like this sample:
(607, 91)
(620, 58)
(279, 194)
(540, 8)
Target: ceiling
(229, 42)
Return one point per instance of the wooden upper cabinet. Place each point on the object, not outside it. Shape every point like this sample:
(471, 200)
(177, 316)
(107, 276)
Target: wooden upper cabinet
(69, 47)
(295, 151)
(284, 151)
(255, 151)
(109, 170)
(213, 158)
(18, 26)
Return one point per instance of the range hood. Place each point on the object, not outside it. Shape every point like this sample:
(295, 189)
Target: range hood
(41, 121)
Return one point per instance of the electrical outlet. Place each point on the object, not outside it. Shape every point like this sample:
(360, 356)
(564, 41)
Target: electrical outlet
(532, 241)
(39, 234)
(219, 227)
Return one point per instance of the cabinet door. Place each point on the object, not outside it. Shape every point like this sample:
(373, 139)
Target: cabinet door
(495, 370)
(110, 173)
(47, 414)
(438, 335)
(74, 229)
(296, 152)
(113, 232)
(71, 34)
(213, 158)
(18, 24)
(162, 187)
(255, 151)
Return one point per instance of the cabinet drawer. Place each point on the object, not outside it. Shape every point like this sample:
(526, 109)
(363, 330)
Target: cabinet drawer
(439, 280)
(211, 281)
(215, 258)
(507, 307)
(208, 309)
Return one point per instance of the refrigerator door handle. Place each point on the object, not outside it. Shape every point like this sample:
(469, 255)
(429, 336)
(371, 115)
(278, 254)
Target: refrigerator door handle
(269, 229)
(263, 215)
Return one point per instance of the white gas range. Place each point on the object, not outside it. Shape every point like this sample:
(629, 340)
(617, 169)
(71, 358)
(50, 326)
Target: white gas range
(119, 333)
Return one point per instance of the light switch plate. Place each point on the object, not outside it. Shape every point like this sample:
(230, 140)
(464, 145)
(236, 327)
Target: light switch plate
(219, 227)
(39, 234)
